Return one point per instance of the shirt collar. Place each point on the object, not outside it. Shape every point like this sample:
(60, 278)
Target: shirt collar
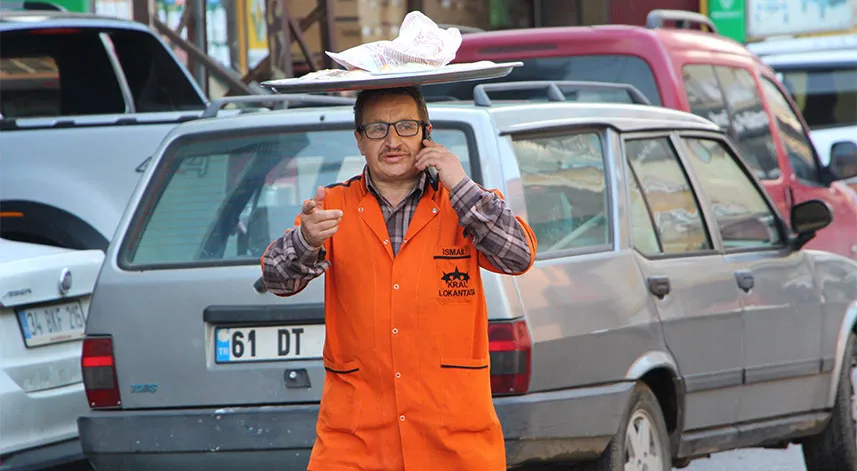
(419, 188)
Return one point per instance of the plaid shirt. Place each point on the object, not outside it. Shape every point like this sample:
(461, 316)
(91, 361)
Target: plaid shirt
(290, 263)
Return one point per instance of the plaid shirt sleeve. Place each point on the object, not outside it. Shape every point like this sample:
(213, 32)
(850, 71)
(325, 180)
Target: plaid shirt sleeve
(289, 264)
(495, 231)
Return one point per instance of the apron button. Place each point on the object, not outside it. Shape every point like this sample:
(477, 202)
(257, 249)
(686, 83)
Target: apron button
(396, 286)
(402, 418)
(395, 331)
(360, 209)
(398, 375)
(386, 241)
(434, 210)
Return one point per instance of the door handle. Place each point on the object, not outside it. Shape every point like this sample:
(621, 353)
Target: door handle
(659, 285)
(745, 280)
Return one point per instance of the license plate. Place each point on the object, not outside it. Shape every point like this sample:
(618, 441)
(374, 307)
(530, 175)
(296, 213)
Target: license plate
(246, 344)
(43, 325)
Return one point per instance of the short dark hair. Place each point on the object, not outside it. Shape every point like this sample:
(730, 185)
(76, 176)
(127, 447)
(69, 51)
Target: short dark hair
(366, 95)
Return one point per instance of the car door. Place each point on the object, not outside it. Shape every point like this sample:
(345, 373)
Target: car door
(781, 307)
(807, 181)
(691, 283)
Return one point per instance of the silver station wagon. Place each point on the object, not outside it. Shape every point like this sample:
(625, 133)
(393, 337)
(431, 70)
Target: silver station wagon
(671, 312)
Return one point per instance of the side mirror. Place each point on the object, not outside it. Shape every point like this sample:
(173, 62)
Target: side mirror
(843, 160)
(807, 218)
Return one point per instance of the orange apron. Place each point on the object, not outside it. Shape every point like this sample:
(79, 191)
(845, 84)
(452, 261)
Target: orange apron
(407, 383)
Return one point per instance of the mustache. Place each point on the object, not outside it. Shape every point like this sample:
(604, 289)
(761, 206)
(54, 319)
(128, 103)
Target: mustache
(393, 150)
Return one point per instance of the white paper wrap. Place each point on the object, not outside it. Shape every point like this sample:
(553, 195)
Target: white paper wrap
(421, 45)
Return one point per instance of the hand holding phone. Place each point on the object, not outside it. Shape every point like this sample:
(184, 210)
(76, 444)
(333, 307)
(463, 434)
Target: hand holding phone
(431, 172)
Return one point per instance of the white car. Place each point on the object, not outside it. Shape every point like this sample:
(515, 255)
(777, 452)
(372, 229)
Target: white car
(44, 298)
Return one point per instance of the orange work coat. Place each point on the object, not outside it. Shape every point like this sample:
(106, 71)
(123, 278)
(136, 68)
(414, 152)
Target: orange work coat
(407, 383)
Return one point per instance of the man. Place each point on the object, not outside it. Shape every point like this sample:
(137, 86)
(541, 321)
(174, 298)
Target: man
(406, 351)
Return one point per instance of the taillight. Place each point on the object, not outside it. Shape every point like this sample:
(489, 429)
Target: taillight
(510, 347)
(99, 373)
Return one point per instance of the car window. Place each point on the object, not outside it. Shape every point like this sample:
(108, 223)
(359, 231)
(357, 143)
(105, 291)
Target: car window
(225, 198)
(39, 78)
(795, 141)
(155, 79)
(643, 235)
(665, 186)
(743, 216)
(826, 97)
(41, 74)
(596, 67)
(565, 190)
(704, 94)
(750, 124)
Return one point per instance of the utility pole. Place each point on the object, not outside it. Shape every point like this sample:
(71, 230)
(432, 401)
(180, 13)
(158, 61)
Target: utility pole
(196, 33)
(141, 11)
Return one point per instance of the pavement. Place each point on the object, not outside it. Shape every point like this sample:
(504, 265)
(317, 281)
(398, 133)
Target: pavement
(754, 459)
(790, 459)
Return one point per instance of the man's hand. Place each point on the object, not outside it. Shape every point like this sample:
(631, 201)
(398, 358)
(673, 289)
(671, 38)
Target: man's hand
(318, 225)
(449, 169)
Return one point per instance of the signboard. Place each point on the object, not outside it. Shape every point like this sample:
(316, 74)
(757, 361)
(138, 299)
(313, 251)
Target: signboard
(115, 8)
(793, 17)
(730, 17)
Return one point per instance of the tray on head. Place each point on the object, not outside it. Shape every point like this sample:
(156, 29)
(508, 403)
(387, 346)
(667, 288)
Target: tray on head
(333, 80)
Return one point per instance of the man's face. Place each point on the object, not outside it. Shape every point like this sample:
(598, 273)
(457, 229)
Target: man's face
(392, 158)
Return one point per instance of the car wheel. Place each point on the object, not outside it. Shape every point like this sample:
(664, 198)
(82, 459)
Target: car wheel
(641, 444)
(836, 446)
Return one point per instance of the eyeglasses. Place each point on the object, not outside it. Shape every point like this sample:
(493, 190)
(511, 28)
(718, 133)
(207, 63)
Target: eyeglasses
(379, 130)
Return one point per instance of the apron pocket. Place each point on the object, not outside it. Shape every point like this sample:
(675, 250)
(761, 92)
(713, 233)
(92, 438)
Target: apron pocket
(452, 267)
(466, 395)
(341, 401)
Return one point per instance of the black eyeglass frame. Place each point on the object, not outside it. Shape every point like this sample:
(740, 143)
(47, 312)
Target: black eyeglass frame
(420, 124)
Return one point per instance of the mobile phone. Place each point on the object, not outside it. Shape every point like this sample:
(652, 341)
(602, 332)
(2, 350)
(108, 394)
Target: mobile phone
(431, 172)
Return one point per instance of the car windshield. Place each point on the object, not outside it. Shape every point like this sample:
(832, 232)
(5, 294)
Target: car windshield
(224, 198)
(827, 97)
(598, 68)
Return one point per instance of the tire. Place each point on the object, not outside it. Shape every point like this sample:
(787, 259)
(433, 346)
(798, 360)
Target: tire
(836, 447)
(643, 407)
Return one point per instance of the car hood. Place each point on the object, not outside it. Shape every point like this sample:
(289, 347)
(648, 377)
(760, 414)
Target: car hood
(31, 273)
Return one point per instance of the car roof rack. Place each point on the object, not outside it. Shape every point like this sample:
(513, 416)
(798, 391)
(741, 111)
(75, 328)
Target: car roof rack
(267, 100)
(657, 18)
(554, 89)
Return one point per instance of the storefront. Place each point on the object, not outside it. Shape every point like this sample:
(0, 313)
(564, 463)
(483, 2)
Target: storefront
(755, 20)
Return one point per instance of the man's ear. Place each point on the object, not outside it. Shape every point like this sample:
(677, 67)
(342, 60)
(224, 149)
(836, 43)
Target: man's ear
(359, 138)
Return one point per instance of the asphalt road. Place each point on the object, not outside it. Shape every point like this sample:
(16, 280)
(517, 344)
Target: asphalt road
(790, 459)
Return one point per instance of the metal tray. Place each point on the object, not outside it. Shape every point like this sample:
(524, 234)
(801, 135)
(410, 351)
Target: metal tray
(364, 81)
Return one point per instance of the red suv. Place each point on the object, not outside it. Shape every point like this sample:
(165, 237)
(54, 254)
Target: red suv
(690, 70)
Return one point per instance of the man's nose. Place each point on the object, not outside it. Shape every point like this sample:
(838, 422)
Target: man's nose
(393, 138)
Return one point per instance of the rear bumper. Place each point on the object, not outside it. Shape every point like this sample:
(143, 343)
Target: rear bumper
(39, 428)
(577, 422)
